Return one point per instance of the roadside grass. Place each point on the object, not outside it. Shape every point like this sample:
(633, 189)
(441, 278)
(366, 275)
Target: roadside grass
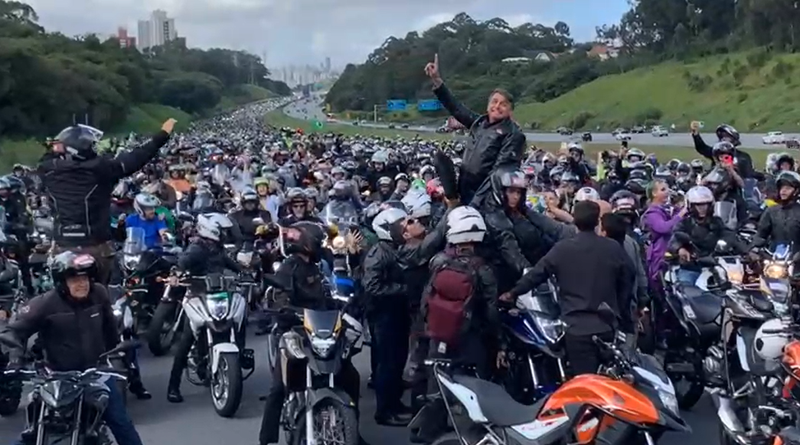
(755, 91)
(279, 119)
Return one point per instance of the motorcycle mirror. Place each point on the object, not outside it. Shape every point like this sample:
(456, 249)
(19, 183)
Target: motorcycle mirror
(722, 245)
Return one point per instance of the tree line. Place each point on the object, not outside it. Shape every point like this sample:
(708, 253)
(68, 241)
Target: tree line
(471, 52)
(48, 78)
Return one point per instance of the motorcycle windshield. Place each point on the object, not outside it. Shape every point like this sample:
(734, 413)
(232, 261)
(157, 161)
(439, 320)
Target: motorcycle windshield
(782, 252)
(220, 174)
(134, 241)
(726, 211)
(752, 195)
(322, 324)
(340, 213)
(203, 201)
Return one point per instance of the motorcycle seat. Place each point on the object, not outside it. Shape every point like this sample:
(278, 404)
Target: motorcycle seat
(498, 407)
(706, 305)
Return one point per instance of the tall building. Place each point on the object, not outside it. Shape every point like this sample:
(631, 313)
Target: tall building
(125, 41)
(327, 64)
(157, 30)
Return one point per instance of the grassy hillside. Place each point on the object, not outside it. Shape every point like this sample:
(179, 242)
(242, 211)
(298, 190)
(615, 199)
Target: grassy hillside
(753, 91)
(243, 94)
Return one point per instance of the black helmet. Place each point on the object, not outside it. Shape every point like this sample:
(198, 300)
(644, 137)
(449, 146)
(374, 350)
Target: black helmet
(70, 264)
(80, 141)
(790, 178)
(304, 237)
(503, 179)
(723, 148)
(727, 133)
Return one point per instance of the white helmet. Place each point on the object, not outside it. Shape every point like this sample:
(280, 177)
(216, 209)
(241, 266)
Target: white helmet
(769, 345)
(699, 195)
(145, 200)
(587, 194)
(465, 225)
(382, 224)
(208, 228)
(418, 204)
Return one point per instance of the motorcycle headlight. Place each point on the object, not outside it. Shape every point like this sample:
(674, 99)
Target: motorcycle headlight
(217, 307)
(775, 271)
(131, 261)
(322, 346)
(292, 343)
(669, 401)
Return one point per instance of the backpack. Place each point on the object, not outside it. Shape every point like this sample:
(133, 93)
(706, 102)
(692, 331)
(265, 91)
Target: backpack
(452, 287)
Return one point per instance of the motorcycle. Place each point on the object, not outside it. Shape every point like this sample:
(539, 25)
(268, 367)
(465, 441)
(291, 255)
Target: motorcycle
(583, 410)
(69, 406)
(693, 355)
(314, 403)
(535, 354)
(143, 275)
(214, 309)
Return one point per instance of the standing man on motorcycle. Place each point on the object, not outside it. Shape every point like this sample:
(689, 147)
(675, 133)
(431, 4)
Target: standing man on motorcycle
(79, 183)
(76, 301)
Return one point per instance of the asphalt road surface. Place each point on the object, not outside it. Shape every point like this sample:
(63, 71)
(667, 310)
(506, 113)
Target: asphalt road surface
(194, 422)
(750, 140)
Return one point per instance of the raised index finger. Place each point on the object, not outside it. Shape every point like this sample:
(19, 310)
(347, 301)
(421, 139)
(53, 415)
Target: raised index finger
(436, 59)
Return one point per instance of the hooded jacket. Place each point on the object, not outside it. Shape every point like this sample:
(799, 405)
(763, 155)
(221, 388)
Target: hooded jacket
(659, 224)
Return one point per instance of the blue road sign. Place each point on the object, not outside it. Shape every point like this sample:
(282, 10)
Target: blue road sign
(396, 105)
(429, 105)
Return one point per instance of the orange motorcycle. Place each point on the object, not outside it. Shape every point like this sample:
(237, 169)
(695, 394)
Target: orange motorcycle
(630, 401)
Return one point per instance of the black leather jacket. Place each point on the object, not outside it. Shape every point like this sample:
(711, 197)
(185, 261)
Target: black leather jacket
(73, 333)
(779, 224)
(491, 145)
(246, 228)
(385, 281)
(700, 238)
(204, 257)
(80, 191)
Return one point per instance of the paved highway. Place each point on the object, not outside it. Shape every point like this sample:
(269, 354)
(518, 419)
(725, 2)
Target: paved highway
(195, 423)
(750, 140)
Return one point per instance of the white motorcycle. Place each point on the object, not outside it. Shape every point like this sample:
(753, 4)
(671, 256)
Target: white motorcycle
(216, 315)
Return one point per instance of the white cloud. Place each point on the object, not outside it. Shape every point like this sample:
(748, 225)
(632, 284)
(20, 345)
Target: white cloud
(319, 43)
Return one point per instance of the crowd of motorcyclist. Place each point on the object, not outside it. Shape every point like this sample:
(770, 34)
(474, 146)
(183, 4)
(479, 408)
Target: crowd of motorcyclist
(507, 217)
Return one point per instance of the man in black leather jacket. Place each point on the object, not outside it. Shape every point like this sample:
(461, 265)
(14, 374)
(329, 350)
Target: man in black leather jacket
(780, 224)
(79, 182)
(76, 325)
(204, 256)
(386, 288)
(495, 139)
(243, 218)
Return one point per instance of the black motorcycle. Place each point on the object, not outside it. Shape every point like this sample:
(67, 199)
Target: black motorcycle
(67, 407)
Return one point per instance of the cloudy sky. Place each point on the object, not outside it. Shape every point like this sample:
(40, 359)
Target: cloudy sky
(306, 31)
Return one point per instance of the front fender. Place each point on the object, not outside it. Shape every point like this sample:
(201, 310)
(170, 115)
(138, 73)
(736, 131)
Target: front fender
(219, 349)
(318, 396)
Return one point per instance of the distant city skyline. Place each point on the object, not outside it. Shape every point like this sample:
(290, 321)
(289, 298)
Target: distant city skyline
(157, 30)
(297, 74)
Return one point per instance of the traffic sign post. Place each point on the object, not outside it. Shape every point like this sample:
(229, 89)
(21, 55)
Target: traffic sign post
(429, 105)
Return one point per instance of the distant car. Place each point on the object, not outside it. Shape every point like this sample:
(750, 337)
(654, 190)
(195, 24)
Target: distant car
(774, 137)
(404, 126)
(659, 132)
(443, 129)
(391, 126)
(793, 143)
(564, 131)
(618, 130)
(586, 137)
(638, 129)
(355, 123)
(623, 136)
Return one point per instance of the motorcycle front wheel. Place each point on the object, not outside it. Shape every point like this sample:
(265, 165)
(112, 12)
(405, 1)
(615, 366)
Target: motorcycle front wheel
(690, 382)
(160, 332)
(226, 385)
(334, 423)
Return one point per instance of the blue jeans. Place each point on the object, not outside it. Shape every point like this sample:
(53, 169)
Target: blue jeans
(687, 277)
(116, 418)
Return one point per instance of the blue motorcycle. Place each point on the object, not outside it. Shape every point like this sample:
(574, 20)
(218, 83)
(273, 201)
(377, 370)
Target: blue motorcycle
(535, 354)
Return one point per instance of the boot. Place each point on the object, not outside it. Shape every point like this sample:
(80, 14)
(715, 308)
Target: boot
(136, 387)
(174, 395)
